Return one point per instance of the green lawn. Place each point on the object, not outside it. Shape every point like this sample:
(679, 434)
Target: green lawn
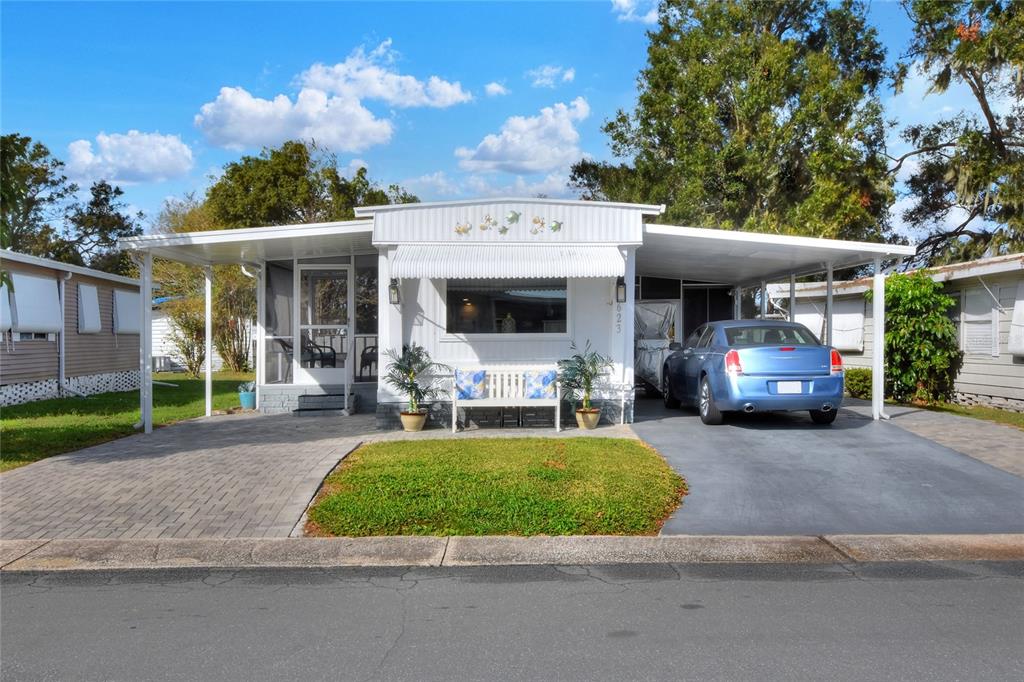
(45, 428)
(991, 414)
(498, 486)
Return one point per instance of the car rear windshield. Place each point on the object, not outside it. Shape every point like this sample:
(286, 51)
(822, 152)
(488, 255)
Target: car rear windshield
(763, 335)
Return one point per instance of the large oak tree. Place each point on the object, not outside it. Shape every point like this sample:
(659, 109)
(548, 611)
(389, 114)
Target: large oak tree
(757, 116)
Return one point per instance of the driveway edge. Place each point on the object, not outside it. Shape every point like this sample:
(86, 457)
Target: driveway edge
(68, 555)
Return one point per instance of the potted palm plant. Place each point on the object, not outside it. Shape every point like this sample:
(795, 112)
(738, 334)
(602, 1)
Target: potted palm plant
(409, 372)
(578, 373)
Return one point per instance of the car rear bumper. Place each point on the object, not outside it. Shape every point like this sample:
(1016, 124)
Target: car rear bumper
(760, 393)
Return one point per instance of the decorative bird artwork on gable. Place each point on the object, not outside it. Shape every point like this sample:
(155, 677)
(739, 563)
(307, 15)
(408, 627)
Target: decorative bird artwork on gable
(512, 218)
(556, 225)
(488, 223)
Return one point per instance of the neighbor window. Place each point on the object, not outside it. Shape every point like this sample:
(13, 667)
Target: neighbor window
(512, 306)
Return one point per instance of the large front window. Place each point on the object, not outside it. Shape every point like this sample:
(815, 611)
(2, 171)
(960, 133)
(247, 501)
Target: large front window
(507, 306)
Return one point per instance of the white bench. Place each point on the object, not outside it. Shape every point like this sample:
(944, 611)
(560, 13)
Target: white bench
(506, 387)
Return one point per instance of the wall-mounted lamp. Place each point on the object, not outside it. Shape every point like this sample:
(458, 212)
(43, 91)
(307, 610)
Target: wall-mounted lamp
(620, 290)
(394, 295)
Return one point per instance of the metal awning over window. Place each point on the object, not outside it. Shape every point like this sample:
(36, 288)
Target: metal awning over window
(489, 261)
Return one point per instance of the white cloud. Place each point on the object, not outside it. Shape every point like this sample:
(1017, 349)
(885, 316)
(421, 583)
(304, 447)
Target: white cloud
(433, 185)
(530, 144)
(643, 11)
(495, 89)
(354, 165)
(548, 75)
(129, 158)
(373, 76)
(238, 120)
(552, 185)
(329, 106)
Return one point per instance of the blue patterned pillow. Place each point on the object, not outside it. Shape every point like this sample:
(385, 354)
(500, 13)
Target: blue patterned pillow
(469, 385)
(540, 385)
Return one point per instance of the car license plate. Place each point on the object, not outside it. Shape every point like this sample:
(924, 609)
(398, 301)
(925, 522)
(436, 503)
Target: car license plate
(789, 387)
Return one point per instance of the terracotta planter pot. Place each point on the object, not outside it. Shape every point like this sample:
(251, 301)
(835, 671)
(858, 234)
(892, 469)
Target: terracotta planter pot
(413, 421)
(587, 419)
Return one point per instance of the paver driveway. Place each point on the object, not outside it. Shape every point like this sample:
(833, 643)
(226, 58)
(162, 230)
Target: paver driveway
(782, 474)
(227, 476)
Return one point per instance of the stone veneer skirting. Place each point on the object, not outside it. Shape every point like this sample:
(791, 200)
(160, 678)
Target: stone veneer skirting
(89, 384)
(1011, 404)
(534, 417)
(276, 399)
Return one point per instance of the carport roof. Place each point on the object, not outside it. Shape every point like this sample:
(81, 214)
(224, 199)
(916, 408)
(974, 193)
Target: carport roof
(746, 258)
(255, 244)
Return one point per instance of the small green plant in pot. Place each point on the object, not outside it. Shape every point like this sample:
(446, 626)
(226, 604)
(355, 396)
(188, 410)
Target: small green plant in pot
(247, 395)
(410, 372)
(578, 374)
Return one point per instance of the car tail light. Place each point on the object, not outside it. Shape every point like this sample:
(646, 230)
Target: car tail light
(787, 349)
(732, 363)
(837, 362)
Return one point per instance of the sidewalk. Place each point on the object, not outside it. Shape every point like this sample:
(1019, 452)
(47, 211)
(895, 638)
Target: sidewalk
(237, 553)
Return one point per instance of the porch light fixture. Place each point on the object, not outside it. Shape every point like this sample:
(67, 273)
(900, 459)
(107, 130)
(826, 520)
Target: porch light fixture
(620, 290)
(394, 296)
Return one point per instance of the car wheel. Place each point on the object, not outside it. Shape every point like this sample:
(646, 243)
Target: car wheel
(819, 417)
(671, 402)
(709, 413)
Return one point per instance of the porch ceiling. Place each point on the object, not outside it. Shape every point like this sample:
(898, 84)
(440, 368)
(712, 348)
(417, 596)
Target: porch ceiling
(745, 258)
(251, 245)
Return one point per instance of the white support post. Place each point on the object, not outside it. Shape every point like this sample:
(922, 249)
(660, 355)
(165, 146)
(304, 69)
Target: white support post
(146, 344)
(628, 323)
(261, 334)
(878, 344)
(737, 303)
(389, 325)
(828, 303)
(764, 299)
(208, 332)
(792, 298)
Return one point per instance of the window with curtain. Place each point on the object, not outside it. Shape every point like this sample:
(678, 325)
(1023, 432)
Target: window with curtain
(512, 306)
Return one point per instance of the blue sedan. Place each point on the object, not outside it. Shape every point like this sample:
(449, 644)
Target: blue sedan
(754, 366)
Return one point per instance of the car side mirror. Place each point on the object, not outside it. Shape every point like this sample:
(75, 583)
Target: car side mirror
(675, 345)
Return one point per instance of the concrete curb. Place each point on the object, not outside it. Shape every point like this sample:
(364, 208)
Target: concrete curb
(66, 555)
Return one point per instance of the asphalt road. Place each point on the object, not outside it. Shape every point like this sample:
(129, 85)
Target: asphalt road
(711, 621)
(781, 474)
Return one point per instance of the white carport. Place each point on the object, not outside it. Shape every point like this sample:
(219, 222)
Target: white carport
(249, 247)
(746, 259)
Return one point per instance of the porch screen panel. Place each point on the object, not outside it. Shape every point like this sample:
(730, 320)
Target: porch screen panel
(280, 296)
(366, 318)
(513, 306)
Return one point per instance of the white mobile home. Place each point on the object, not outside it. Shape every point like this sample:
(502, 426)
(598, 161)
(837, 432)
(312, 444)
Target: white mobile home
(989, 316)
(480, 284)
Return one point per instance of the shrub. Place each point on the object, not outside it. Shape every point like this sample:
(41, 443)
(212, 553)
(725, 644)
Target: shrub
(922, 355)
(858, 382)
(187, 335)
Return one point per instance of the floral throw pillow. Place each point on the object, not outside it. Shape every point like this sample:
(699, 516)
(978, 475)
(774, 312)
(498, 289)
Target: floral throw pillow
(469, 385)
(540, 384)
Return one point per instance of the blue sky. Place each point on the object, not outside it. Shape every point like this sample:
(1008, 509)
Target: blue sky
(450, 100)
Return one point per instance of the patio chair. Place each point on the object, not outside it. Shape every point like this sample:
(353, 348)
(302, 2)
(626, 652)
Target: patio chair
(368, 359)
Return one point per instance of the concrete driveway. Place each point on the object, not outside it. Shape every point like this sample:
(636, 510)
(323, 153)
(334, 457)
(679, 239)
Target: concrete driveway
(782, 474)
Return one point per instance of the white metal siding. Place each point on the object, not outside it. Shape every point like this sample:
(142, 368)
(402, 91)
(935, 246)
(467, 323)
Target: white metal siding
(577, 223)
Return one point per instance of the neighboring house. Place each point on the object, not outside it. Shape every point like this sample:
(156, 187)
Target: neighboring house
(67, 330)
(989, 316)
(483, 283)
(165, 355)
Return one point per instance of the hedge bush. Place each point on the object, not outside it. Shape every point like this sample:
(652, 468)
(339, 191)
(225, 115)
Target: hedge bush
(922, 354)
(858, 382)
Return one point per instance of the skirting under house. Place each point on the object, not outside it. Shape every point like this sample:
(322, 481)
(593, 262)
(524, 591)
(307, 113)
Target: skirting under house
(90, 384)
